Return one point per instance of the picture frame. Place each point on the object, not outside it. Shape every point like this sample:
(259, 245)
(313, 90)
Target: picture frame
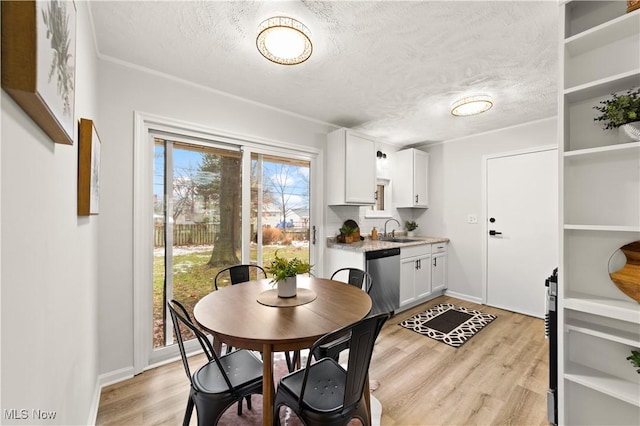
(39, 62)
(89, 147)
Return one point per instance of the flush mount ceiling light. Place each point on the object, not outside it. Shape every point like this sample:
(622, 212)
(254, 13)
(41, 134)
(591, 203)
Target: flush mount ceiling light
(472, 105)
(284, 40)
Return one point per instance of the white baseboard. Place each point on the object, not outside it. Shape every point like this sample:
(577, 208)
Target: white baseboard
(116, 376)
(466, 297)
(104, 380)
(95, 403)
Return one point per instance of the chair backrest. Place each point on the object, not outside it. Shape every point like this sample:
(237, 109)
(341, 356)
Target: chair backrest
(357, 277)
(362, 338)
(240, 273)
(180, 317)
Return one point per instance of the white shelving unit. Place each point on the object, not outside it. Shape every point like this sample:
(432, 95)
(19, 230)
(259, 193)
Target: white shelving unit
(600, 212)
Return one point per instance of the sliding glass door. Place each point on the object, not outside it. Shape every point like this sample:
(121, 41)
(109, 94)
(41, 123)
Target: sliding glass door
(198, 219)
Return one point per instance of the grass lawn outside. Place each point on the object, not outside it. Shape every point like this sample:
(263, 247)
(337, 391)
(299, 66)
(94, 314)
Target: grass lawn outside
(193, 278)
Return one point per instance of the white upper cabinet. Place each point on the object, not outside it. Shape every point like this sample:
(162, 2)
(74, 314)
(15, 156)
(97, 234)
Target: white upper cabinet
(410, 178)
(351, 168)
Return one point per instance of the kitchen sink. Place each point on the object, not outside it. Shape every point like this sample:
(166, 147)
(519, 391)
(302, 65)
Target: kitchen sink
(398, 240)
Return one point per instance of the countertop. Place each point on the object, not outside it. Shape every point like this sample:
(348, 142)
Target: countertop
(371, 245)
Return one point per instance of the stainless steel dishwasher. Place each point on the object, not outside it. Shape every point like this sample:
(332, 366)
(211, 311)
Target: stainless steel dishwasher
(384, 268)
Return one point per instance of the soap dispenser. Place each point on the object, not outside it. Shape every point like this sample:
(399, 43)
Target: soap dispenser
(374, 233)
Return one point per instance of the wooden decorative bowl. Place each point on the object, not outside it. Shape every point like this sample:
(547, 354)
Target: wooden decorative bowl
(627, 279)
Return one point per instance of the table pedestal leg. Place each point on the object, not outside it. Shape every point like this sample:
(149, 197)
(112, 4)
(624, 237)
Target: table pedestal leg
(268, 390)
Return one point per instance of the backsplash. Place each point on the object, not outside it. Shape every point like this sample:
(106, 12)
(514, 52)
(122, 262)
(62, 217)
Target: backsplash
(336, 215)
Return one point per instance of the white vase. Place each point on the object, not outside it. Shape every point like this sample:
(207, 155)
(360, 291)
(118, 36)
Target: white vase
(287, 287)
(632, 130)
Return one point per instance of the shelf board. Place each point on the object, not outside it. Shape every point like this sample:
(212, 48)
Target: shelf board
(605, 151)
(624, 26)
(617, 309)
(603, 332)
(602, 87)
(605, 228)
(605, 383)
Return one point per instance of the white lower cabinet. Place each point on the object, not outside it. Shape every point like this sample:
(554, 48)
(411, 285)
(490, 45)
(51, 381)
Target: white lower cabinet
(423, 270)
(439, 267)
(415, 274)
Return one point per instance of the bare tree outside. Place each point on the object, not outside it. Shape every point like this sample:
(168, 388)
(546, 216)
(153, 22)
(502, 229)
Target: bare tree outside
(290, 188)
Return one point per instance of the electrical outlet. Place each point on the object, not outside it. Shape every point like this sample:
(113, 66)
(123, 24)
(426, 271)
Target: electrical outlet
(472, 218)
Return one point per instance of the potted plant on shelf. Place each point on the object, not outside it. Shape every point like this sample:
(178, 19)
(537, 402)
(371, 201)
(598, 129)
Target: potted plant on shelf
(411, 226)
(284, 272)
(635, 360)
(621, 111)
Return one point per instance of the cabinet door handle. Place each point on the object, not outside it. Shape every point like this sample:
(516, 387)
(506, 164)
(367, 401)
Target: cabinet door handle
(417, 198)
(435, 261)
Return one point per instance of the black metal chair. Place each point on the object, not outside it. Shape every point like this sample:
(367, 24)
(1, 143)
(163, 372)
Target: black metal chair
(220, 382)
(324, 393)
(357, 278)
(240, 274)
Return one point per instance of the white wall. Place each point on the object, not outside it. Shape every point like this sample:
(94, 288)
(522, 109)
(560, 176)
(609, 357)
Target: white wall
(49, 263)
(123, 90)
(455, 190)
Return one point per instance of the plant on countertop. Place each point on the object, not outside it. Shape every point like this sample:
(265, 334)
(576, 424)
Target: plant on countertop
(635, 360)
(619, 110)
(281, 268)
(348, 230)
(411, 225)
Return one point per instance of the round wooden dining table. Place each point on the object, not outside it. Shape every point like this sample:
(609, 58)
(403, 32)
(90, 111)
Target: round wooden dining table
(243, 317)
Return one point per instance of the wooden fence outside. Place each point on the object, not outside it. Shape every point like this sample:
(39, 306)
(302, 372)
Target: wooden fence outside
(196, 234)
(193, 234)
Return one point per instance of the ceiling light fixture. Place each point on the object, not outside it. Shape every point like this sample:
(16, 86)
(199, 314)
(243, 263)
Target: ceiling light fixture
(471, 106)
(284, 40)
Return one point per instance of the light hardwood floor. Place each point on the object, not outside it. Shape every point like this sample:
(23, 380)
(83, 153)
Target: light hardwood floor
(499, 377)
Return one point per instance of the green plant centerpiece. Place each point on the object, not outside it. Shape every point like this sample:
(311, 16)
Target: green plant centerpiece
(634, 358)
(283, 274)
(621, 111)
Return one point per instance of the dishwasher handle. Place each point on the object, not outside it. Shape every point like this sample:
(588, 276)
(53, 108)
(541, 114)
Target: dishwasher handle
(378, 254)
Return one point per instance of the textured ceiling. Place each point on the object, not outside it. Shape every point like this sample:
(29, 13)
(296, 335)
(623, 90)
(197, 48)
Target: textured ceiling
(388, 68)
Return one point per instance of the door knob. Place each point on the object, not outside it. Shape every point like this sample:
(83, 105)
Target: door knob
(492, 232)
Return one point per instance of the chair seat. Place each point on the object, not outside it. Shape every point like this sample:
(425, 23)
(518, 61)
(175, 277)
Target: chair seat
(242, 367)
(325, 385)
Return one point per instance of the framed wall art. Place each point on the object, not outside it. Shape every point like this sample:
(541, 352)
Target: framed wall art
(38, 62)
(88, 168)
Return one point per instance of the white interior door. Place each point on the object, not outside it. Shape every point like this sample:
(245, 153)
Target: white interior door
(522, 229)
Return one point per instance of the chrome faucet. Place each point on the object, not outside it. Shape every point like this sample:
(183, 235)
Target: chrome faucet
(393, 232)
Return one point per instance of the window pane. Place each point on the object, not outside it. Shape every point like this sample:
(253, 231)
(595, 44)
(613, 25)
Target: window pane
(202, 220)
(279, 208)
